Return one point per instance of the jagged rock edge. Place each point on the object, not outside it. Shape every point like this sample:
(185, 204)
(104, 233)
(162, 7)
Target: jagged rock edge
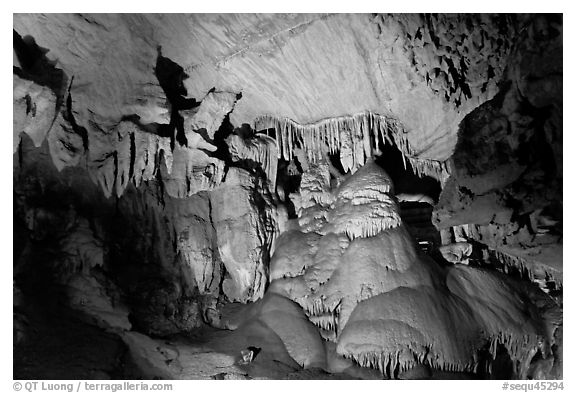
(365, 130)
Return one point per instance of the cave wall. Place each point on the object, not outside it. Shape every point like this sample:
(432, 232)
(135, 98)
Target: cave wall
(505, 191)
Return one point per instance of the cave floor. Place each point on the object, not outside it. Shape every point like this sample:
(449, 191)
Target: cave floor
(60, 346)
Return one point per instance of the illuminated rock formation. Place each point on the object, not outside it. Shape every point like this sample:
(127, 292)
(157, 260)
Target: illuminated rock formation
(390, 307)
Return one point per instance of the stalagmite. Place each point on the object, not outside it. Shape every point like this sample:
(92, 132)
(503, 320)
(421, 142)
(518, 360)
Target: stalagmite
(364, 207)
(362, 224)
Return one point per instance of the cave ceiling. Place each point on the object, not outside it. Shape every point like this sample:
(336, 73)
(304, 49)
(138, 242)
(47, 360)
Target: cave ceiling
(425, 73)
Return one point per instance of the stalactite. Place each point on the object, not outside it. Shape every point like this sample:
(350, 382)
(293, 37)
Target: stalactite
(436, 169)
(527, 271)
(356, 138)
(137, 156)
(521, 349)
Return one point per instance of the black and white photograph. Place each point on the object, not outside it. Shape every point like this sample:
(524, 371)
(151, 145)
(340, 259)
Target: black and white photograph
(286, 196)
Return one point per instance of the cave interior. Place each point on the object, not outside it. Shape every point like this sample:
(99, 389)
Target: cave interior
(287, 196)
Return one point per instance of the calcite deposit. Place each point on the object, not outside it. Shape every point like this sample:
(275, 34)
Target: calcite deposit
(288, 196)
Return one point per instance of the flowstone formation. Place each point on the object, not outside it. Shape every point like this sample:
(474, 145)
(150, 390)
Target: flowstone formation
(359, 277)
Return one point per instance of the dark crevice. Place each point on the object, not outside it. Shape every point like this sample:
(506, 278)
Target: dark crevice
(224, 131)
(466, 192)
(188, 184)
(271, 132)
(418, 35)
(180, 134)
(499, 366)
(246, 132)
(204, 134)
(30, 108)
(171, 77)
(336, 163)
(417, 194)
(288, 179)
(159, 158)
(403, 177)
(69, 117)
(35, 66)
(20, 155)
(115, 157)
(150, 128)
(165, 130)
(132, 155)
